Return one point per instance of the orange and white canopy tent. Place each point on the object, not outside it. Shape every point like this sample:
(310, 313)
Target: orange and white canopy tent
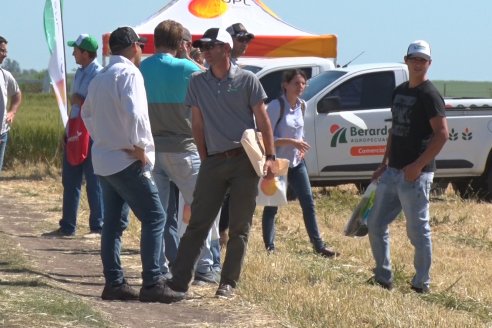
(273, 37)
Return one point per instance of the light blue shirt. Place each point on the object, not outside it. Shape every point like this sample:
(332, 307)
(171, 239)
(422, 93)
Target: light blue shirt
(80, 85)
(291, 125)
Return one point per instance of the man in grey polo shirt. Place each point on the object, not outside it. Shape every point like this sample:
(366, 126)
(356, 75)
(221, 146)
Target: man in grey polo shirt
(225, 101)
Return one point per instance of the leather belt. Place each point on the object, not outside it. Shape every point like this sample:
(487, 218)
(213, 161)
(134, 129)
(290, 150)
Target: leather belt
(229, 153)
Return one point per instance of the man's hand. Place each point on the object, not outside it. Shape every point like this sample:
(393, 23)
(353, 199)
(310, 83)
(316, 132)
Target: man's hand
(138, 153)
(412, 171)
(10, 117)
(268, 169)
(76, 99)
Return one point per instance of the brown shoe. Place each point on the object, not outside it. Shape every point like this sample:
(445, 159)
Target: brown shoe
(327, 252)
(225, 291)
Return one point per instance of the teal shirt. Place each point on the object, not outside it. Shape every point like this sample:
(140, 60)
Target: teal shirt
(166, 82)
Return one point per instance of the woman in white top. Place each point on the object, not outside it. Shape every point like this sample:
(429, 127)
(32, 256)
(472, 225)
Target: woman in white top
(288, 130)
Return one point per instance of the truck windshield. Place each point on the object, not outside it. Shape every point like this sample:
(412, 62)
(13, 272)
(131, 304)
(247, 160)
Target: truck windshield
(319, 82)
(251, 68)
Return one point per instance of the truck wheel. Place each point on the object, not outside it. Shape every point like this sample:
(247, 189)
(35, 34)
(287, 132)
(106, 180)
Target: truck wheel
(438, 188)
(464, 189)
(487, 188)
(476, 188)
(362, 186)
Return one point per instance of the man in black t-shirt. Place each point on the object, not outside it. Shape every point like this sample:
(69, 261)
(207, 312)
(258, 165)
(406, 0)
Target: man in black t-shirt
(419, 131)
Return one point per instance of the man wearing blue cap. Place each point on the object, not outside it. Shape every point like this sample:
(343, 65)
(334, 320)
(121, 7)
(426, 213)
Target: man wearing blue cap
(85, 53)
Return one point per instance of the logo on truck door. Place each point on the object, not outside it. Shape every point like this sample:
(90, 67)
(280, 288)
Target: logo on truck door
(373, 140)
(339, 135)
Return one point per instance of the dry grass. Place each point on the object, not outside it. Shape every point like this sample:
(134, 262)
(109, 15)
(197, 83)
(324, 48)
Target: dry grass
(304, 290)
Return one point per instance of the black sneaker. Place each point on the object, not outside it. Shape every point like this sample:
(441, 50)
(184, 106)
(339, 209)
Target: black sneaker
(420, 290)
(225, 291)
(58, 233)
(160, 292)
(211, 277)
(123, 292)
(327, 252)
(385, 285)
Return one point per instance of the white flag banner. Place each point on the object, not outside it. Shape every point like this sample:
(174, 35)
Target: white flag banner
(53, 29)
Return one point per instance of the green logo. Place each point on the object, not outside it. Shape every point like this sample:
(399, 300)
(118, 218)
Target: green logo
(339, 135)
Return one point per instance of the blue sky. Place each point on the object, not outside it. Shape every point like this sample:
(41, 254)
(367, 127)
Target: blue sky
(458, 31)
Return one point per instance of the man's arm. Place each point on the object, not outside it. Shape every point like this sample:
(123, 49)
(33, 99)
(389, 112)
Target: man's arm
(15, 102)
(439, 137)
(76, 99)
(198, 131)
(263, 123)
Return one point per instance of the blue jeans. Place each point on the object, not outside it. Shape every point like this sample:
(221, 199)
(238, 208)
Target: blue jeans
(182, 169)
(3, 145)
(393, 194)
(72, 183)
(298, 179)
(171, 236)
(132, 188)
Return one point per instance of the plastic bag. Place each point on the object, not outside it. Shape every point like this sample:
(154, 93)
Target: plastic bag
(272, 192)
(357, 224)
(77, 145)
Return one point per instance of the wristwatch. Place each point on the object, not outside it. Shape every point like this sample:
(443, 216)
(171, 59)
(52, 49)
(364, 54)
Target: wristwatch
(270, 157)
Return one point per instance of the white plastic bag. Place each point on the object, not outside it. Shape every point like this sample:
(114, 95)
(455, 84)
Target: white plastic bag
(357, 223)
(272, 192)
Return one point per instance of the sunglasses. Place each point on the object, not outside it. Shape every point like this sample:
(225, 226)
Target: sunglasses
(209, 46)
(141, 45)
(243, 39)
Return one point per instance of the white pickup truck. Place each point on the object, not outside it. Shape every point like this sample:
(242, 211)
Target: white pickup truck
(344, 152)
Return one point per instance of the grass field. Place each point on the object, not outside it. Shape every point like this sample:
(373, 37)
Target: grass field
(301, 289)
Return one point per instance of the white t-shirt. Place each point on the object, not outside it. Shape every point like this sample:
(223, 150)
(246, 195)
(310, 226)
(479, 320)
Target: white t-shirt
(8, 87)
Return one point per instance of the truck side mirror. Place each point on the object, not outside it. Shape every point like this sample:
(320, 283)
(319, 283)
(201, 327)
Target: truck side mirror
(329, 104)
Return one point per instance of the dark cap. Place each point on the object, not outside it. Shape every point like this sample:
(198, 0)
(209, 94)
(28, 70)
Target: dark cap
(123, 37)
(214, 35)
(186, 35)
(238, 30)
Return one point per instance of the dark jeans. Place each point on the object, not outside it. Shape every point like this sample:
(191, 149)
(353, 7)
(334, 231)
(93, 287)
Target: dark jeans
(224, 214)
(298, 179)
(215, 177)
(171, 237)
(72, 183)
(132, 188)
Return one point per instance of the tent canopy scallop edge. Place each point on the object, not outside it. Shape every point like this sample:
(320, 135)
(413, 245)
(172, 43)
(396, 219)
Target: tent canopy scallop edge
(273, 37)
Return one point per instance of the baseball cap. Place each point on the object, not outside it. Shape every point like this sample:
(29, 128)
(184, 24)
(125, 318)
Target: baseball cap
(84, 41)
(419, 48)
(186, 34)
(123, 37)
(214, 35)
(238, 30)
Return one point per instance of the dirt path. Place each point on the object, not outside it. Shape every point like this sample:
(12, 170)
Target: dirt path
(74, 265)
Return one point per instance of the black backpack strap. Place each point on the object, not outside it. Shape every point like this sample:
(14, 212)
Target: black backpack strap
(282, 111)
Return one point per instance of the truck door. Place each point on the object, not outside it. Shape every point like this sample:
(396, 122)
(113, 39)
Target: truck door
(344, 151)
